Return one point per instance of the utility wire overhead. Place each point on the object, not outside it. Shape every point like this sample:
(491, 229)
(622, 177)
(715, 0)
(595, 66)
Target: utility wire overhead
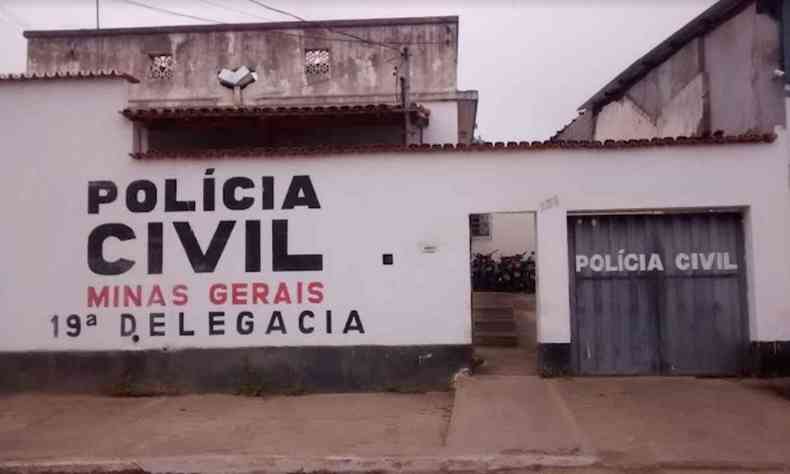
(297, 17)
(277, 10)
(235, 10)
(185, 15)
(391, 45)
(170, 12)
(352, 38)
(284, 33)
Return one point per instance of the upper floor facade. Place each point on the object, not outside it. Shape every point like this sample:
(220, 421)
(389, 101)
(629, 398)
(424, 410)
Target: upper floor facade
(313, 65)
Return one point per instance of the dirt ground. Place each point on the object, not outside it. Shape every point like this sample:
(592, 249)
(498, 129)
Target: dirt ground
(677, 420)
(68, 426)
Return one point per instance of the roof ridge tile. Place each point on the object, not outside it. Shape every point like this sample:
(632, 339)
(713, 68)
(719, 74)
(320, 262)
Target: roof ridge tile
(83, 74)
(719, 140)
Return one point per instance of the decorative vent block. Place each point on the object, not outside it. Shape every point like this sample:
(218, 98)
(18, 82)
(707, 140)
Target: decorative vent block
(162, 66)
(316, 62)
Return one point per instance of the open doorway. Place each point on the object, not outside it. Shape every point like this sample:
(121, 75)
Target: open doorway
(503, 271)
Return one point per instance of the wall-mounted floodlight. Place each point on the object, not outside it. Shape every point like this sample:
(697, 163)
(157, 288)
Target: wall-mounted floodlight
(240, 77)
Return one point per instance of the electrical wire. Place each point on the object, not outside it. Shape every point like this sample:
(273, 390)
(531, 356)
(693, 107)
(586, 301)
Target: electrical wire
(390, 45)
(171, 12)
(351, 38)
(297, 17)
(235, 10)
(277, 10)
(193, 17)
(284, 33)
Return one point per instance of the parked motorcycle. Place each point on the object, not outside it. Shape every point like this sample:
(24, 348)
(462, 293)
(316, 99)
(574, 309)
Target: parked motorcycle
(529, 268)
(484, 271)
(513, 273)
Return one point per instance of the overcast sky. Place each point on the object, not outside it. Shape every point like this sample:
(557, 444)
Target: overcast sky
(534, 62)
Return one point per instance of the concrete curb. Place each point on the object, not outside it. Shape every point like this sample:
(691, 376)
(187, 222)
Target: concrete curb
(285, 465)
(248, 464)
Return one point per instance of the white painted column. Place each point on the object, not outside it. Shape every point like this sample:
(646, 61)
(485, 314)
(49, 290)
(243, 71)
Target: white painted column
(553, 304)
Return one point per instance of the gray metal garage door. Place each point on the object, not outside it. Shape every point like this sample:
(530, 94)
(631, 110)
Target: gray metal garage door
(658, 294)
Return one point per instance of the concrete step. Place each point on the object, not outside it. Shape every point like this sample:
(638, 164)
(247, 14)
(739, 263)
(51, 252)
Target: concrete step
(499, 339)
(495, 325)
(492, 313)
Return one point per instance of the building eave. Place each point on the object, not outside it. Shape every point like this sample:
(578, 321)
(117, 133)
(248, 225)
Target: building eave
(419, 114)
(223, 27)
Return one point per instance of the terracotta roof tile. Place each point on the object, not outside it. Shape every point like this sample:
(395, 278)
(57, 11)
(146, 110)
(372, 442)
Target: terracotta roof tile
(98, 74)
(155, 113)
(717, 139)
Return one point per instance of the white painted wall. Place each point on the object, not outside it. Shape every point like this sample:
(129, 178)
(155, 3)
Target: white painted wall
(60, 135)
(511, 233)
(443, 126)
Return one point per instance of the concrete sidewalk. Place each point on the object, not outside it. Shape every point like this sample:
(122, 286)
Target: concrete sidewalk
(492, 423)
(512, 415)
(278, 434)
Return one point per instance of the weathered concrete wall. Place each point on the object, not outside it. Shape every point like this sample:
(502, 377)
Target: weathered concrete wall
(664, 82)
(467, 117)
(668, 99)
(276, 53)
(740, 57)
(581, 129)
(684, 114)
(721, 81)
(623, 120)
